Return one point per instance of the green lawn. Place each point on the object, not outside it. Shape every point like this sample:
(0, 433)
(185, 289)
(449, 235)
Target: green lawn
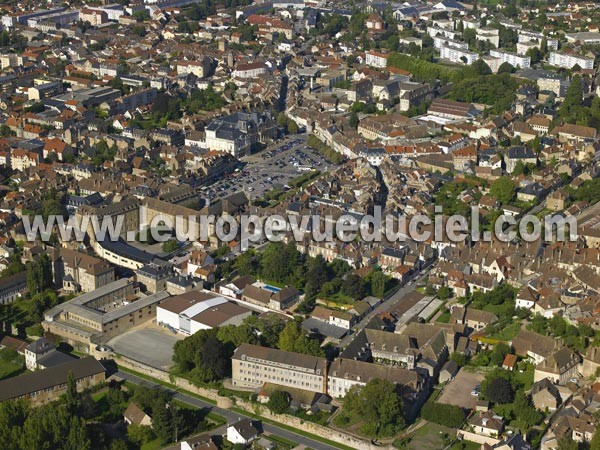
(430, 436)
(152, 445)
(281, 443)
(11, 363)
(526, 377)
(507, 332)
(339, 299)
(465, 445)
(444, 317)
(99, 395)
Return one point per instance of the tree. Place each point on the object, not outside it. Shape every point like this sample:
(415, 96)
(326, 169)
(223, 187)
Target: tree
(274, 265)
(119, 444)
(39, 274)
(354, 120)
(499, 353)
(293, 339)
(503, 189)
(459, 358)
(353, 286)
(162, 422)
(377, 405)
(378, 283)
(37, 107)
(204, 357)
(595, 442)
(71, 396)
(573, 99)
(506, 67)
(139, 434)
(525, 413)
(4, 38)
(535, 54)
(279, 402)
(213, 362)
(480, 67)
(444, 293)
(498, 390)
(170, 246)
(12, 417)
(292, 127)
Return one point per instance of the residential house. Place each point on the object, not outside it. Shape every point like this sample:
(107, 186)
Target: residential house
(278, 300)
(487, 423)
(134, 415)
(559, 367)
(528, 344)
(243, 432)
(545, 395)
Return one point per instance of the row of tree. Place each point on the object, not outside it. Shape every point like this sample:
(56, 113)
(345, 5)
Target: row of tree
(205, 356)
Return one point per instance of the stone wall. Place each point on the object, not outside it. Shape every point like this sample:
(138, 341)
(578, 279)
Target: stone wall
(309, 427)
(251, 408)
(166, 377)
(477, 438)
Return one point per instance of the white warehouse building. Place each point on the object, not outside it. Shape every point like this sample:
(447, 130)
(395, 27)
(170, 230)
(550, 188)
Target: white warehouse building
(198, 310)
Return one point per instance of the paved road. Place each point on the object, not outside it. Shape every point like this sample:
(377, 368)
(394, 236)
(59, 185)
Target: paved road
(231, 416)
(386, 305)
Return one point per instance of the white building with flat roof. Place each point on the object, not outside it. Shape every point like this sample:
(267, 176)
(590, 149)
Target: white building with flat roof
(458, 55)
(513, 59)
(376, 59)
(569, 60)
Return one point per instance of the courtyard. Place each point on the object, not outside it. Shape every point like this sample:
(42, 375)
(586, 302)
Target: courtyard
(150, 346)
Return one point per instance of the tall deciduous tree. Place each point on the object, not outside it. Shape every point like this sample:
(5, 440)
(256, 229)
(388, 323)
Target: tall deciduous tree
(377, 405)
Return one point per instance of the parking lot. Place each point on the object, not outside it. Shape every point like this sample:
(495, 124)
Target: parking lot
(275, 166)
(150, 346)
(458, 391)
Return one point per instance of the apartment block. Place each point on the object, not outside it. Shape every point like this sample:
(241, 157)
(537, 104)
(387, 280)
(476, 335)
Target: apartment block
(513, 59)
(253, 365)
(458, 56)
(376, 59)
(569, 60)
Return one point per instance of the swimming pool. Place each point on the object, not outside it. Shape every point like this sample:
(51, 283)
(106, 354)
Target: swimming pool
(268, 287)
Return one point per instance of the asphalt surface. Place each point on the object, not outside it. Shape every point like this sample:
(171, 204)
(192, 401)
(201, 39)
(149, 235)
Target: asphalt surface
(151, 347)
(276, 165)
(230, 416)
